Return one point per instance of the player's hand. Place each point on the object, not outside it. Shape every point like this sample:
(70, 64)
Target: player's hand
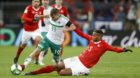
(127, 50)
(36, 18)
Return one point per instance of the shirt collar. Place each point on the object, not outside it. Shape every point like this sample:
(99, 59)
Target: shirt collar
(97, 42)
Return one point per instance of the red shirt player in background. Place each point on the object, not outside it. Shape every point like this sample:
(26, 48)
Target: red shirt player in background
(63, 10)
(80, 65)
(30, 18)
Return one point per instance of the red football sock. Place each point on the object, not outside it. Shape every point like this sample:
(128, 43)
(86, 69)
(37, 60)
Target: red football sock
(47, 69)
(20, 49)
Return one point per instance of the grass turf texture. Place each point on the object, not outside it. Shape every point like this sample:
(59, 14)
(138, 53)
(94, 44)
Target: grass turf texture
(111, 65)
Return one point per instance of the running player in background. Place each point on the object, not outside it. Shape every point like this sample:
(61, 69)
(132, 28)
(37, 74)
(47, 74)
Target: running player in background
(62, 9)
(30, 18)
(80, 65)
(54, 38)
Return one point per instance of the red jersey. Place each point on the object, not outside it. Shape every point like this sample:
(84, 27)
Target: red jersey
(63, 10)
(94, 50)
(28, 16)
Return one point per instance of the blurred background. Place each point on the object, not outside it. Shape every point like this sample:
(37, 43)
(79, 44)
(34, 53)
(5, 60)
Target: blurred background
(120, 19)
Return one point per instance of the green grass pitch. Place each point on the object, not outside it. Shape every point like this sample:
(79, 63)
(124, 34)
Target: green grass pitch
(111, 65)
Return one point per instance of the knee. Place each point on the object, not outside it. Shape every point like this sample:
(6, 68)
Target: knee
(38, 38)
(61, 73)
(23, 45)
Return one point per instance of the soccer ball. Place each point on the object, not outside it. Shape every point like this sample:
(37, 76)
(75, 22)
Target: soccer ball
(16, 69)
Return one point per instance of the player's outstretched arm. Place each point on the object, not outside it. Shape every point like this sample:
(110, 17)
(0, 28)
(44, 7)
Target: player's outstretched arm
(82, 34)
(117, 49)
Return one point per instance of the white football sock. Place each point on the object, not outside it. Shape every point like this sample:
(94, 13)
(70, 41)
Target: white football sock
(41, 56)
(27, 61)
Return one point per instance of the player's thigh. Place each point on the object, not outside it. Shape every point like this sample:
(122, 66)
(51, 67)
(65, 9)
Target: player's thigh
(25, 37)
(60, 65)
(43, 45)
(36, 35)
(76, 66)
(66, 72)
(55, 49)
(43, 34)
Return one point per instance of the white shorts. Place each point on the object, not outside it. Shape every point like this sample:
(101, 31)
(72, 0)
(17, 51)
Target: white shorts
(26, 36)
(43, 29)
(76, 66)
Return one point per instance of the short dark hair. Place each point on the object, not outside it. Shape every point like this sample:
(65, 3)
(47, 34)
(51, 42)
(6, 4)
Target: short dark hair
(54, 11)
(99, 31)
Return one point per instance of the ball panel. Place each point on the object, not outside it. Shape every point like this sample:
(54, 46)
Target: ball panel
(16, 69)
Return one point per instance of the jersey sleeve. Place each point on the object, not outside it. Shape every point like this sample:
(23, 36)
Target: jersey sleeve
(114, 49)
(68, 24)
(65, 11)
(80, 33)
(25, 17)
(66, 21)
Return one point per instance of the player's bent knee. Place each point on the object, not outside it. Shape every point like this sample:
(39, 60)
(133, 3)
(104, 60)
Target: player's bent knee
(65, 72)
(38, 38)
(62, 73)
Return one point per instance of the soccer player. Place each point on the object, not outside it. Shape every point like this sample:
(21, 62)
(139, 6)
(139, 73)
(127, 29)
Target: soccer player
(80, 65)
(54, 38)
(44, 26)
(62, 9)
(30, 18)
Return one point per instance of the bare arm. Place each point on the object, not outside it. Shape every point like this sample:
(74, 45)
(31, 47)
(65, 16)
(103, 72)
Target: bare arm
(115, 49)
(118, 49)
(70, 28)
(82, 34)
